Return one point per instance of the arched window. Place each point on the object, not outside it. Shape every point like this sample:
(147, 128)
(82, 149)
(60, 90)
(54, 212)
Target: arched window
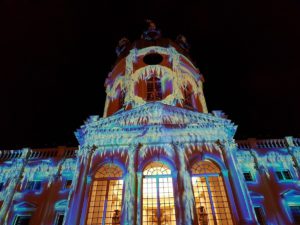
(106, 196)
(121, 99)
(158, 195)
(188, 101)
(210, 194)
(154, 89)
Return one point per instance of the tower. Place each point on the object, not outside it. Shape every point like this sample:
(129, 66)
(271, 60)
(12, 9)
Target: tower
(157, 156)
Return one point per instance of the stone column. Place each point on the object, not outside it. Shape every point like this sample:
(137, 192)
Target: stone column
(129, 199)
(17, 175)
(139, 198)
(76, 196)
(185, 188)
(243, 200)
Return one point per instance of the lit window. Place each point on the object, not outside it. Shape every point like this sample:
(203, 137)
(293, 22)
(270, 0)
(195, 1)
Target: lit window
(158, 195)
(210, 194)
(248, 176)
(22, 220)
(295, 210)
(154, 89)
(33, 185)
(259, 215)
(106, 196)
(59, 218)
(284, 175)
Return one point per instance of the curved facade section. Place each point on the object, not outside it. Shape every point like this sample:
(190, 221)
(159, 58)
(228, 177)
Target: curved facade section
(172, 80)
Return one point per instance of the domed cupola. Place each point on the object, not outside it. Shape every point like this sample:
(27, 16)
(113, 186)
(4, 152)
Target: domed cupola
(153, 69)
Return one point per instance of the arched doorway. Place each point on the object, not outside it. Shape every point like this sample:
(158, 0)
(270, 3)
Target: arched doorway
(210, 194)
(106, 196)
(158, 195)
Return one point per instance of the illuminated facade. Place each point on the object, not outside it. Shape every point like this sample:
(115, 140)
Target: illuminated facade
(155, 157)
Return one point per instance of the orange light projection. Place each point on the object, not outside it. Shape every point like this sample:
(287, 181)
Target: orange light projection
(210, 195)
(158, 196)
(106, 196)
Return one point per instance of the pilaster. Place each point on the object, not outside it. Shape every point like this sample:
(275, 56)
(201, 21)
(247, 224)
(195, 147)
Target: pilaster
(76, 196)
(185, 188)
(13, 185)
(129, 202)
(242, 196)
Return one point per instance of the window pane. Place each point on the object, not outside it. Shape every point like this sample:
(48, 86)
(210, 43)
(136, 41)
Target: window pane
(295, 210)
(60, 219)
(68, 184)
(248, 176)
(166, 199)
(22, 220)
(210, 194)
(219, 200)
(109, 170)
(279, 175)
(259, 215)
(204, 167)
(156, 168)
(287, 175)
(114, 202)
(154, 89)
(203, 204)
(150, 214)
(158, 195)
(106, 196)
(29, 185)
(38, 185)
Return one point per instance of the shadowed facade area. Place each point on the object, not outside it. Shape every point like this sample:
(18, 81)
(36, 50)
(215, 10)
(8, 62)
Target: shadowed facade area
(157, 156)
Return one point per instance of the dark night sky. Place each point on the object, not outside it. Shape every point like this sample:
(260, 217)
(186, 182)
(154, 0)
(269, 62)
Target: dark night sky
(56, 54)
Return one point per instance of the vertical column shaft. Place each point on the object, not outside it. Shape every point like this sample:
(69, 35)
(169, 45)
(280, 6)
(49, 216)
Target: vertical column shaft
(129, 204)
(77, 194)
(243, 200)
(185, 188)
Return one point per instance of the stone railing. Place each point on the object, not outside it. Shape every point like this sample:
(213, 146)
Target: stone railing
(268, 143)
(42, 153)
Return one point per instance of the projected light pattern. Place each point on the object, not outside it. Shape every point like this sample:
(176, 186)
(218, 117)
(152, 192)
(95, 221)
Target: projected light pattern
(136, 164)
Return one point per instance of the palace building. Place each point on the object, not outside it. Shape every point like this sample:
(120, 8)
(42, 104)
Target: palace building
(157, 156)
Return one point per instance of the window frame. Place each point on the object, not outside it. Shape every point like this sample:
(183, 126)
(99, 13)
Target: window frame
(252, 179)
(281, 175)
(21, 215)
(206, 175)
(263, 214)
(157, 178)
(35, 185)
(291, 212)
(108, 182)
(156, 91)
(188, 98)
(58, 214)
(66, 185)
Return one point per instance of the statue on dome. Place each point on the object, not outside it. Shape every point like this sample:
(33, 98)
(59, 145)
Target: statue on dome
(122, 45)
(182, 42)
(152, 33)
